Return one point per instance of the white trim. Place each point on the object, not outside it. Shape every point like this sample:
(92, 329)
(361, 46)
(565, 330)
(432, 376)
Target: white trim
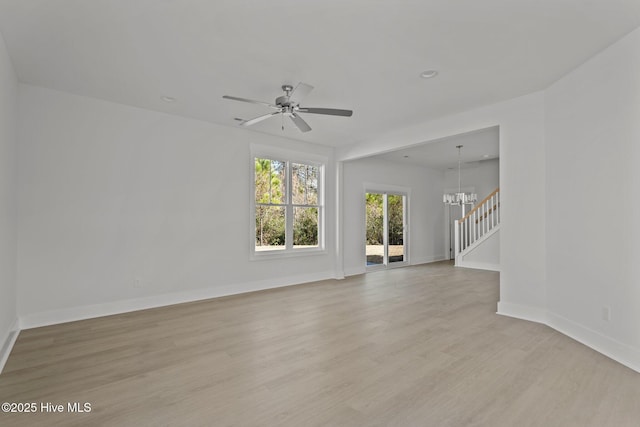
(386, 190)
(477, 243)
(461, 262)
(620, 352)
(524, 312)
(9, 339)
(388, 266)
(283, 253)
(478, 265)
(258, 150)
(354, 271)
(428, 259)
(371, 187)
(72, 314)
(339, 220)
(289, 157)
(609, 347)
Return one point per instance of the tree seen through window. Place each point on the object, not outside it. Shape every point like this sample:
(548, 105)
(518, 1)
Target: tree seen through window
(286, 205)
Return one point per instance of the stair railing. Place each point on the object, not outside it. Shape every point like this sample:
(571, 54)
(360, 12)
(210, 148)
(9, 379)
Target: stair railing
(483, 218)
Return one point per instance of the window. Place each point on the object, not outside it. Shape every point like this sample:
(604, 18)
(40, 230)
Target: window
(287, 206)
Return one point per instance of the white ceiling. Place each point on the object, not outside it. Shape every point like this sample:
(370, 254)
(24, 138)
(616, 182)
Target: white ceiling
(478, 146)
(359, 54)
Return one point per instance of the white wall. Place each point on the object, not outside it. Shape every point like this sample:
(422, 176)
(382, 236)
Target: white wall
(483, 176)
(8, 199)
(522, 187)
(593, 152)
(485, 255)
(110, 194)
(426, 216)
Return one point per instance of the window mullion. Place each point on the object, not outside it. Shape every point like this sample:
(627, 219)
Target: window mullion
(289, 209)
(385, 227)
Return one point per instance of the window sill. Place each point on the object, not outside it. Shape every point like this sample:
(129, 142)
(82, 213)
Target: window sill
(291, 253)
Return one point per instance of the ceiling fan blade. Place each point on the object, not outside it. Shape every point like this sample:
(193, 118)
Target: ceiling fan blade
(251, 101)
(258, 119)
(300, 92)
(327, 111)
(301, 124)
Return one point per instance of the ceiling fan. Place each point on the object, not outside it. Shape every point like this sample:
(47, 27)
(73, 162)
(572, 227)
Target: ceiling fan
(289, 105)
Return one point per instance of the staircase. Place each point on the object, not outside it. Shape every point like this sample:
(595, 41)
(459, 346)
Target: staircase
(477, 243)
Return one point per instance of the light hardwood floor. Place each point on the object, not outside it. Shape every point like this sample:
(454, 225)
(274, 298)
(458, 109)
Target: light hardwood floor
(417, 346)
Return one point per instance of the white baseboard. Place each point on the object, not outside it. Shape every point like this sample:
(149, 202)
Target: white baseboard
(428, 259)
(353, 271)
(611, 348)
(620, 352)
(479, 265)
(8, 340)
(35, 320)
(524, 312)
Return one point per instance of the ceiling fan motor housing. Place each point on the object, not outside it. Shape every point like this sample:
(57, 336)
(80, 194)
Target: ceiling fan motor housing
(283, 101)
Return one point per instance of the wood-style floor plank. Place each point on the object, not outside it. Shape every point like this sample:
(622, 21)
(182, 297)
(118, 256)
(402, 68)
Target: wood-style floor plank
(416, 346)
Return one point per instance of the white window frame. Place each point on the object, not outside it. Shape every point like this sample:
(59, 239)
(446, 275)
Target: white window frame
(288, 156)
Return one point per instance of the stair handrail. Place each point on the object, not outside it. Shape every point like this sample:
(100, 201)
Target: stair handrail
(479, 205)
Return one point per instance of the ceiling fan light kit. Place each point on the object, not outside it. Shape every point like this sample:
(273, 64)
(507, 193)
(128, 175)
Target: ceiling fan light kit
(289, 105)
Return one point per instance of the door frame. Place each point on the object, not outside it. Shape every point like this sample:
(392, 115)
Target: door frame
(386, 190)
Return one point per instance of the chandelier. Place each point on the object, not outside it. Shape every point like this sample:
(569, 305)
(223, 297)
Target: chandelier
(460, 198)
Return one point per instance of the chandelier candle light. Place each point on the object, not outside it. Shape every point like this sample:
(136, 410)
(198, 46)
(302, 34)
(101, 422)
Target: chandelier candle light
(460, 198)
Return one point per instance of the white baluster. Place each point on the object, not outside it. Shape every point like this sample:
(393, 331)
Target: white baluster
(465, 234)
(493, 211)
(456, 231)
(465, 230)
(473, 225)
(484, 218)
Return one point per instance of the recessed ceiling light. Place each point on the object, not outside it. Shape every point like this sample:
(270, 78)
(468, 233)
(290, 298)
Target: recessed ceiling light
(486, 156)
(428, 74)
(168, 99)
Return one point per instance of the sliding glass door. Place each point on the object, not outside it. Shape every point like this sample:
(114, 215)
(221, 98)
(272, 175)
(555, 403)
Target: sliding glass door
(386, 229)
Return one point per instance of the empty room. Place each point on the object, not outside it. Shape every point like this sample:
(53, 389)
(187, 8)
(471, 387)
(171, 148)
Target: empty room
(336, 213)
